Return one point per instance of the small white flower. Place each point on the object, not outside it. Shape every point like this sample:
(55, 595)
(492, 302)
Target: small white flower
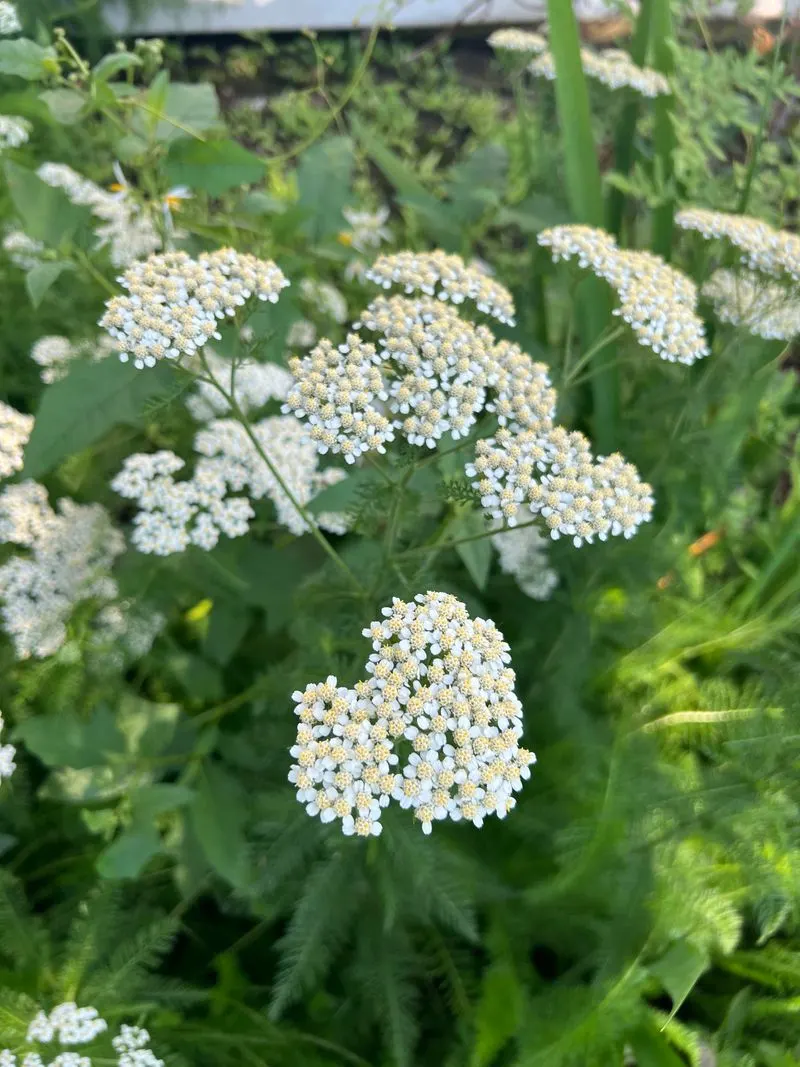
(14, 131)
(15, 429)
(9, 19)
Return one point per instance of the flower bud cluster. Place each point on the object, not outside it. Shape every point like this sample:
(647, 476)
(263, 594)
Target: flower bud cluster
(657, 301)
(436, 726)
(512, 39)
(762, 246)
(745, 298)
(613, 68)
(553, 474)
(446, 277)
(175, 303)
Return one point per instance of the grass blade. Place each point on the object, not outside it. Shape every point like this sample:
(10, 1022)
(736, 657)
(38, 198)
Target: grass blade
(584, 191)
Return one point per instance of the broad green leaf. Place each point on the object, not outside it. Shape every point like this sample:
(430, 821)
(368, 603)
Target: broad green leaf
(218, 815)
(114, 64)
(25, 59)
(65, 105)
(129, 854)
(678, 971)
(227, 626)
(45, 212)
(478, 183)
(323, 180)
(272, 576)
(158, 798)
(187, 111)
(270, 324)
(536, 212)
(475, 555)
(498, 1013)
(198, 678)
(76, 411)
(72, 741)
(343, 494)
(148, 727)
(39, 280)
(212, 166)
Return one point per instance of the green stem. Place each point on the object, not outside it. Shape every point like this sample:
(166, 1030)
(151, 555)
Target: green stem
(664, 135)
(314, 529)
(755, 152)
(585, 195)
(472, 537)
(83, 260)
(626, 128)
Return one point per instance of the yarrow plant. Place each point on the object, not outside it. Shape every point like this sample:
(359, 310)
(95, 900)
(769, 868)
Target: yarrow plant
(522, 552)
(15, 429)
(436, 727)
(513, 39)
(745, 298)
(657, 301)
(69, 1027)
(775, 252)
(69, 556)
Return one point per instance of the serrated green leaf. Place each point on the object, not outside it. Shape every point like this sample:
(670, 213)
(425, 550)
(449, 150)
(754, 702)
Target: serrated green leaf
(72, 741)
(46, 213)
(187, 111)
(652, 1049)
(25, 59)
(323, 182)
(115, 63)
(65, 105)
(218, 815)
(39, 280)
(212, 166)
(129, 854)
(93, 397)
(227, 626)
(477, 184)
(148, 727)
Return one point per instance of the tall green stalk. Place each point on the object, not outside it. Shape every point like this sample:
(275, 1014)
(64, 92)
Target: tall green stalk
(663, 61)
(626, 128)
(585, 194)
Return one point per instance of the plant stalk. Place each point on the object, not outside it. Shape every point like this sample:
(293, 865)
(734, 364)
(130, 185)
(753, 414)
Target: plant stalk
(663, 61)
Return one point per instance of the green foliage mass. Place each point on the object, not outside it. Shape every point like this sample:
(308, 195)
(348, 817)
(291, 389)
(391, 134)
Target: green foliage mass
(641, 904)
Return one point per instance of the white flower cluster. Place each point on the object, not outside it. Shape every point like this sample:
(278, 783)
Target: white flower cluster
(446, 277)
(70, 1026)
(554, 475)
(336, 390)
(70, 555)
(196, 511)
(435, 727)
(175, 303)
(9, 19)
(613, 68)
(745, 298)
(513, 39)
(440, 361)
(15, 429)
(325, 298)
(764, 248)
(251, 384)
(124, 632)
(7, 753)
(656, 300)
(174, 515)
(126, 228)
(431, 375)
(368, 229)
(522, 552)
(302, 334)
(23, 251)
(14, 131)
(54, 353)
